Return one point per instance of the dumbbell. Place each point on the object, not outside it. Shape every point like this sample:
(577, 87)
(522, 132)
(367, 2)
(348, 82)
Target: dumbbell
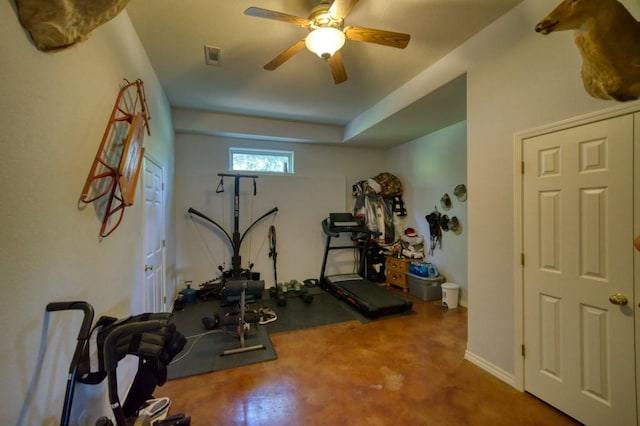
(281, 299)
(211, 323)
(306, 297)
(276, 293)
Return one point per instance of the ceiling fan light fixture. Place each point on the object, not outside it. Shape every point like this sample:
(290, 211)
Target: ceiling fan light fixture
(324, 42)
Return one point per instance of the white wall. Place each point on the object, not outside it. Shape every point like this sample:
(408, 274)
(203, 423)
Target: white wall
(429, 167)
(516, 80)
(54, 110)
(321, 185)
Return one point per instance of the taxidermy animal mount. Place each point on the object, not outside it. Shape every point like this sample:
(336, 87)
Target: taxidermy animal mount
(58, 24)
(608, 38)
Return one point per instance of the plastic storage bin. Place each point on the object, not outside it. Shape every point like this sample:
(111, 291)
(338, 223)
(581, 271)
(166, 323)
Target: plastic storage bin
(425, 288)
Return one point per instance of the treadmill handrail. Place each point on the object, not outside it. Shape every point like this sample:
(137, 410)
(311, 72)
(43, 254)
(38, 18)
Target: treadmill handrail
(334, 232)
(327, 230)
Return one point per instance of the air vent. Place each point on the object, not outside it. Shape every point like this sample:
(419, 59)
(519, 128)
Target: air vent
(211, 55)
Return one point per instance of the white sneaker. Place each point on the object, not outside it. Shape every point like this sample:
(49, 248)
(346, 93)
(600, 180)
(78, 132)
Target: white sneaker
(267, 315)
(156, 409)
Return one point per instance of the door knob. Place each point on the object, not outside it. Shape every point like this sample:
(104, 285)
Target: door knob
(150, 268)
(618, 299)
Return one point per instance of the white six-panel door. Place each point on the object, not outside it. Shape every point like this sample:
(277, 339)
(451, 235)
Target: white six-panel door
(577, 240)
(154, 291)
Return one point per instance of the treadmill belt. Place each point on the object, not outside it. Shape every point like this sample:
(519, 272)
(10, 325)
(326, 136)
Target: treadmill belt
(366, 296)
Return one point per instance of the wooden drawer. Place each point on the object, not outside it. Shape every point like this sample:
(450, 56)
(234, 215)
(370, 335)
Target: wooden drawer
(395, 269)
(397, 279)
(397, 264)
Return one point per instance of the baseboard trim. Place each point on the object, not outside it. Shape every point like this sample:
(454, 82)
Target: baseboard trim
(490, 368)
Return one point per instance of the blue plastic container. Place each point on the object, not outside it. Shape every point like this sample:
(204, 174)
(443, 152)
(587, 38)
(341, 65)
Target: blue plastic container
(419, 268)
(189, 295)
(423, 269)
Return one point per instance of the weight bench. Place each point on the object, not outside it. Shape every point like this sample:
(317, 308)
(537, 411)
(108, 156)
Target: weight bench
(240, 322)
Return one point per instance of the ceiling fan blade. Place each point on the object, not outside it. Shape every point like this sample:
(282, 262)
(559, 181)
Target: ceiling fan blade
(284, 56)
(371, 35)
(337, 68)
(278, 16)
(341, 8)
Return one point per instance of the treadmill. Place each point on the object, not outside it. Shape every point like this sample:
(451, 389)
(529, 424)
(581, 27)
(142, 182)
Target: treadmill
(365, 296)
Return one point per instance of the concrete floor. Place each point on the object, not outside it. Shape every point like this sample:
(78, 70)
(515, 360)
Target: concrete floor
(408, 370)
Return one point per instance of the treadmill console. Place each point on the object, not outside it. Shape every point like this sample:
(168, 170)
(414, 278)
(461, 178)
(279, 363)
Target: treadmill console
(342, 222)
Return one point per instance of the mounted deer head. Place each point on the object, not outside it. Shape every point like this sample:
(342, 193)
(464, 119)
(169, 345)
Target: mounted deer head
(608, 38)
(58, 24)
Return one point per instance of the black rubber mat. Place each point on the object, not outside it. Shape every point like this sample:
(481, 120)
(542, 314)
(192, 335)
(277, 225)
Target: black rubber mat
(203, 351)
(296, 315)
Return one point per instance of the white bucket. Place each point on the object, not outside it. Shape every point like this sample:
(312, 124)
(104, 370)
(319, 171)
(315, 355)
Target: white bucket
(450, 295)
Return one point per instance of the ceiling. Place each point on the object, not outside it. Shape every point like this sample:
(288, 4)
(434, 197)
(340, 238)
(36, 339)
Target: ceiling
(301, 91)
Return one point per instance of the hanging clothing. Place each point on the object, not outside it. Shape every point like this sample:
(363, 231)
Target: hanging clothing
(378, 216)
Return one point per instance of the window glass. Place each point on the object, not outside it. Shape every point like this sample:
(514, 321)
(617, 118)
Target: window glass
(261, 160)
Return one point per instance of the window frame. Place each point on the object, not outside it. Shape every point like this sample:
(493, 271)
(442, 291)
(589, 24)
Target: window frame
(263, 152)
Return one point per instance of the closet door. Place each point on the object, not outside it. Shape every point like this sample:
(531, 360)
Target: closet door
(578, 228)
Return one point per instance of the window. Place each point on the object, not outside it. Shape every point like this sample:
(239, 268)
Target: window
(261, 160)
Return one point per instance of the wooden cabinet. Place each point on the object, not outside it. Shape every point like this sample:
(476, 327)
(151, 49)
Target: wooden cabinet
(396, 270)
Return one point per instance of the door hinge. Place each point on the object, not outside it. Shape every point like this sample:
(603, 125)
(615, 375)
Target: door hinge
(522, 259)
(163, 244)
(522, 351)
(522, 167)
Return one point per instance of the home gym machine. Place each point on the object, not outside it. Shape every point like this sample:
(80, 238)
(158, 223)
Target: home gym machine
(236, 240)
(235, 287)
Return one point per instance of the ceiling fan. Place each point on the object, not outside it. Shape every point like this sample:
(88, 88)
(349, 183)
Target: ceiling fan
(327, 34)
